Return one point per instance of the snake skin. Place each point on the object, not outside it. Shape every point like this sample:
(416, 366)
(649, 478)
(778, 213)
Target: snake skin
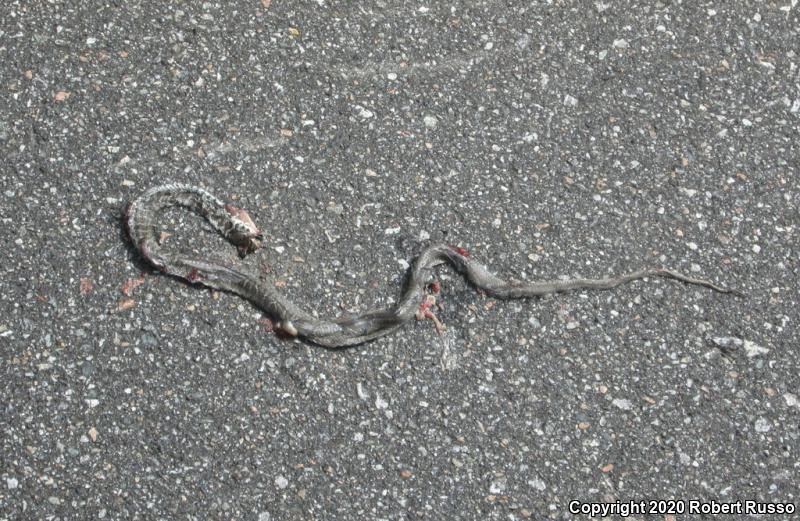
(236, 226)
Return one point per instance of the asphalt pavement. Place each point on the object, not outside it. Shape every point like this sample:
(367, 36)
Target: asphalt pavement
(550, 139)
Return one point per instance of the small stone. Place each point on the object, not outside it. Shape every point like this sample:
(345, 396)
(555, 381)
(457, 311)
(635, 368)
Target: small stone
(684, 458)
(622, 403)
(727, 341)
(392, 76)
(752, 349)
(125, 304)
(149, 340)
(430, 121)
(763, 425)
(12, 483)
(380, 403)
(363, 112)
(498, 485)
(281, 482)
(85, 286)
(538, 484)
(621, 43)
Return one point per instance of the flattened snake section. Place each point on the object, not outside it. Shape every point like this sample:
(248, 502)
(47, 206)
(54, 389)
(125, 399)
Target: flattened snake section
(235, 225)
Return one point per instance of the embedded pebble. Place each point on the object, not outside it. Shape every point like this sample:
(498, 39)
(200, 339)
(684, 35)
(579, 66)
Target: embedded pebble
(363, 112)
(622, 403)
(498, 485)
(763, 425)
(537, 484)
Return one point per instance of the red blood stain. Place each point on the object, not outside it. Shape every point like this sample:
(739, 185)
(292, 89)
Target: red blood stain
(458, 249)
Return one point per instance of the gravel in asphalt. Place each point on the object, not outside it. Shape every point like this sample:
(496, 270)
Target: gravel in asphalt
(551, 139)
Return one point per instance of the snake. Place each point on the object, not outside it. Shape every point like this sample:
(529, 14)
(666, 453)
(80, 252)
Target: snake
(144, 214)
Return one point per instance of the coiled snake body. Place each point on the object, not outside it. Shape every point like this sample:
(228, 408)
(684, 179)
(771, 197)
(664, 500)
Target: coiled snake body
(236, 226)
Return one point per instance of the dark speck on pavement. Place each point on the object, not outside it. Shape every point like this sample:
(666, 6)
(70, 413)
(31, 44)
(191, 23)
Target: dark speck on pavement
(551, 139)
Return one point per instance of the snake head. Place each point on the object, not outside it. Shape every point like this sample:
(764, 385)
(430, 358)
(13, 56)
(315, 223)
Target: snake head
(244, 233)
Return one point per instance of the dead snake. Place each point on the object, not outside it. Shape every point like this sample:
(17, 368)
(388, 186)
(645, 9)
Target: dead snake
(236, 226)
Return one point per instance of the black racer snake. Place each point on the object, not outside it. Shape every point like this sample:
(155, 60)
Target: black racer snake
(235, 225)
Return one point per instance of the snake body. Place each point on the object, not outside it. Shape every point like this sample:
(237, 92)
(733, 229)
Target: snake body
(235, 225)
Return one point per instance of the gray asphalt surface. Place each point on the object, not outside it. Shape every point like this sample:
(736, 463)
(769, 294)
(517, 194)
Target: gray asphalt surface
(548, 138)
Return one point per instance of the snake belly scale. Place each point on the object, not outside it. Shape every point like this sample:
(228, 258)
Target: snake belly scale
(235, 225)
